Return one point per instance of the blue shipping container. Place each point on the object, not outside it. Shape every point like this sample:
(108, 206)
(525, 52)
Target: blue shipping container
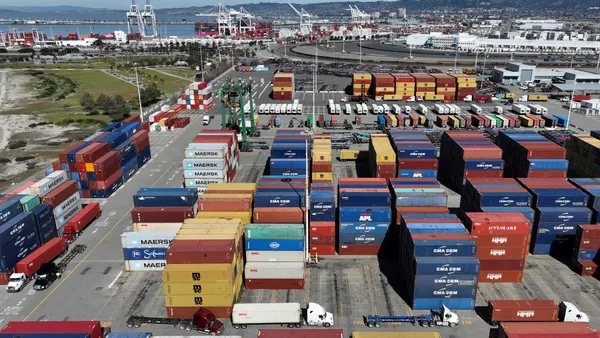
(93, 136)
(417, 173)
(442, 248)
(12, 252)
(287, 163)
(484, 164)
(144, 156)
(126, 152)
(139, 254)
(527, 212)
(174, 197)
(447, 216)
(557, 228)
(362, 228)
(451, 303)
(111, 127)
(364, 199)
(416, 152)
(10, 209)
(288, 172)
(109, 191)
(564, 215)
(434, 226)
(114, 139)
(361, 238)
(446, 265)
(444, 280)
(18, 226)
(548, 164)
(564, 198)
(128, 170)
(586, 255)
(502, 199)
(288, 198)
(350, 214)
(550, 238)
(48, 234)
(441, 231)
(420, 198)
(274, 245)
(445, 292)
(130, 128)
(71, 154)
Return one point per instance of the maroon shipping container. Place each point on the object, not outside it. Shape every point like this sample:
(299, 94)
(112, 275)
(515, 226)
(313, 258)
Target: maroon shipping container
(141, 140)
(322, 250)
(146, 126)
(225, 204)
(322, 240)
(361, 180)
(85, 193)
(494, 223)
(162, 215)
(322, 229)
(493, 276)
(501, 264)
(502, 240)
(522, 311)
(60, 194)
(547, 174)
(359, 249)
(587, 231)
(92, 327)
(321, 167)
(72, 166)
(188, 312)
(585, 268)
(589, 244)
(56, 165)
(44, 254)
(278, 215)
(132, 118)
(277, 284)
(62, 156)
(4, 276)
(300, 333)
(504, 252)
(83, 218)
(92, 153)
(106, 165)
(546, 330)
(547, 150)
(201, 251)
(103, 185)
(424, 164)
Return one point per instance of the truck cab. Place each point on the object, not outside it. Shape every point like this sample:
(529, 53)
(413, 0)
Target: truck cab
(568, 312)
(444, 317)
(205, 321)
(16, 282)
(316, 315)
(46, 275)
(205, 120)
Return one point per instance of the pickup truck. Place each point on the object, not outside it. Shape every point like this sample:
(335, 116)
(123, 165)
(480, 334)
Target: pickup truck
(289, 314)
(46, 275)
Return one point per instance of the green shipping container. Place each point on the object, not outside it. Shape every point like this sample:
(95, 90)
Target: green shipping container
(275, 231)
(29, 202)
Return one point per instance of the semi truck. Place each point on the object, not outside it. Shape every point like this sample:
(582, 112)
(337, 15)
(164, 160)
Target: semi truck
(81, 221)
(533, 311)
(289, 314)
(202, 321)
(443, 317)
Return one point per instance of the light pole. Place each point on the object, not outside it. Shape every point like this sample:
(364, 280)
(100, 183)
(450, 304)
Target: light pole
(285, 49)
(410, 48)
(572, 57)
(456, 56)
(598, 62)
(312, 125)
(137, 81)
(306, 202)
(344, 44)
(483, 70)
(476, 57)
(571, 103)
(360, 49)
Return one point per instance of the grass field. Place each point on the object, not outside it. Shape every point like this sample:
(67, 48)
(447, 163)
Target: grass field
(171, 84)
(181, 72)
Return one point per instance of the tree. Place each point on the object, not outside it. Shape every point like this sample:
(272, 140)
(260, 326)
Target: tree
(118, 109)
(104, 102)
(87, 102)
(150, 94)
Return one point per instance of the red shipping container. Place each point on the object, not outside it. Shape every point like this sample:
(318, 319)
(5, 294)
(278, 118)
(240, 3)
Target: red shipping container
(92, 153)
(188, 312)
(146, 126)
(225, 204)
(202, 251)
(141, 140)
(103, 185)
(322, 240)
(85, 193)
(92, 185)
(4, 276)
(322, 229)
(493, 276)
(492, 223)
(56, 165)
(501, 240)
(44, 254)
(278, 215)
(60, 194)
(107, 165)
(505, 252)
(359, 249)
(419, 210)
(542, 329)
(547, 174)
(92, 327)
(81, 166)
(585, 268)
(321, 167)
(424, 164)
(589, 244)
(163, 215)
(361, 180)
(322, 250)
(588, 231)
(276, 284)
(62, 156)
(72, 166)
(515, 310)
(501, 264)
(83, 217)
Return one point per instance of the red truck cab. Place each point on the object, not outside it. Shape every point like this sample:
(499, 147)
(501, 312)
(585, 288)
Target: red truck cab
(80, 221)
(204, 320)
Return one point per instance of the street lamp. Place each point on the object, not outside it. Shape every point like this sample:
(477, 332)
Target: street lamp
(344, 44)
(456, 56)
(137, 81)
(571, 103)
(598, 62)
(476, 56)
(360, 48)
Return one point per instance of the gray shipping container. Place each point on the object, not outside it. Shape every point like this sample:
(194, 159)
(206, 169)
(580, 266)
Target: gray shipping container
(49, 183)
(274, 270)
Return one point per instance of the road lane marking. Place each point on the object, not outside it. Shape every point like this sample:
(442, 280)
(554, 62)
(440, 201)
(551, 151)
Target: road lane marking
(115, 280)
(128, 213)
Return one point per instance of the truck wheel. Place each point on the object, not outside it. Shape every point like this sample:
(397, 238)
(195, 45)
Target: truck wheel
(298, 325)
(189, 327)
(182, 326)
(290, 325)
(213, 334)
(235, 326)
(452, 324)
(376, 324)
(243, 326)
(137, 325)
(370, 324)
(130, 325)
(327, 325)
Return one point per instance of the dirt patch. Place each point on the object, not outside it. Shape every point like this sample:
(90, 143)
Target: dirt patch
(15, 91)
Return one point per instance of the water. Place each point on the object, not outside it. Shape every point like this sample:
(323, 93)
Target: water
(184, 31)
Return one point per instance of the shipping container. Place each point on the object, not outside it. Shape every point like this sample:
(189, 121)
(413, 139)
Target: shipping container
(300, 333)
(522, 310)
(90, 327)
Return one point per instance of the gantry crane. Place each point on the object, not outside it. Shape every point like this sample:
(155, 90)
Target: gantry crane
(305, 20)
(232, 95)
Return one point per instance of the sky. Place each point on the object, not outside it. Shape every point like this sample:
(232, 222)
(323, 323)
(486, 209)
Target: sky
(123, 4)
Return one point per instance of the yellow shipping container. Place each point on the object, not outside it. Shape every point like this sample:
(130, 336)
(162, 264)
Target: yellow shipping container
(348, 154)
(283, 89)
(321, 157)
(210, 226)
(425, 85)
(188, 273)
(361, 76)
(421, 93)
(422, 120)
(245, 216)
(284, 75)
(209, 237)
(526, 121)
(197, 300)
(405, 85)
(322, 141)
(322, 176)
(453, 121)
(405, 93)
(510, 95)
(445, 90)
(371, 334)
(393, 121)
(89, 167)
(231, 186)
(385, 89)
(435, 97)
(467, 85)
(206, 288)
(392, 97)
(359, 86)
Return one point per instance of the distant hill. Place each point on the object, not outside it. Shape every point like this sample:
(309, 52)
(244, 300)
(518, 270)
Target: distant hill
(65, 8)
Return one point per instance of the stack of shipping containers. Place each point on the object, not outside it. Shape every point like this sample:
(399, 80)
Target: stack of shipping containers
(204, 265)
(321, 168)
(322, 219)
(60, 193)
(559, 208)
(529, 154)
(364, 215)
(104, 161)
(591, 186)
(168, 118)
(361, 83)
(502, 240)
(466, 154)
(198, 96)
(445, 88)
(275, 256)
(465, 85)
(424, 84)
(417, 156)
(585, 252)
(283, 86)
(583, 153)
(432, 247)
(496, 195)
(404, 87)
(212, 157)
(239, 194)
(157, 216)
(383, 84)
(289, 154)
(382, 158)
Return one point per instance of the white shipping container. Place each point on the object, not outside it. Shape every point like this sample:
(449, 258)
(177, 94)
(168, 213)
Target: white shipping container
(62, 220)
(266, 313)
(147, 239)
(196, 182)
(157, 227)
(204, 163)
(68, 203)
(207, 150)
(274, 270)
(205, 173)
(274, 256)
(49, 183)
(152, 265)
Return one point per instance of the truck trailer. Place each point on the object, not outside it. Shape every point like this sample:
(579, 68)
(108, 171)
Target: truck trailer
(533, 311)
(289, 314)
(202, 321)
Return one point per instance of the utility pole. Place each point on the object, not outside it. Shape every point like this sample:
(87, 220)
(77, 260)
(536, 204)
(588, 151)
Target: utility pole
(312, 126)
(571, 103)
(137, 81)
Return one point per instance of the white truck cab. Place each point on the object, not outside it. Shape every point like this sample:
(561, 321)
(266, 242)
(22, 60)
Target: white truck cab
(447, 317)
(16, 282)
(205, 120)
(568, 312)
(316, 315)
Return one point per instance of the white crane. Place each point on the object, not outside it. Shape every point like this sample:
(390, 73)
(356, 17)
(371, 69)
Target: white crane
(358, 17)
(305, 20)
(134, 19)
(224, 19)
(243, 20)
(149, 18)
